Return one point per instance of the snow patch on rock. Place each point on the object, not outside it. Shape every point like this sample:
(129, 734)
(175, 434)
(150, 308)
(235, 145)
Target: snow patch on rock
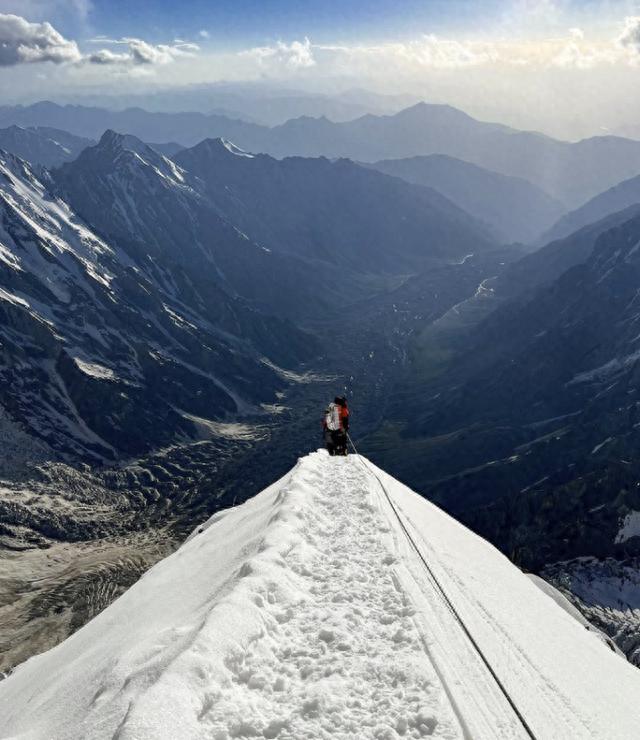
(630, 527)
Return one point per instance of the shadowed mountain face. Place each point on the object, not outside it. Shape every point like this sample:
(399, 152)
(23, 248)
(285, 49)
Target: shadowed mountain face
(46, 147)
(272, 231)
(530, 431)
(142, 201)
(617, 198)
(106, 352)
(569, 172)
(139, 295)
(338, 212)
(547, 264)
(516, 209)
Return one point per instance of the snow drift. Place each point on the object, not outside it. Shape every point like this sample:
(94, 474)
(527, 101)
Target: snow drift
(307, 613)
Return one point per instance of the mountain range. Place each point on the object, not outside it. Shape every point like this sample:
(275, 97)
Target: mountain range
(569, 172)
(42, 146)
(215, 194)
(255, 103)
(174, 315)
(613, 200)
(169, 330)
(516, 209)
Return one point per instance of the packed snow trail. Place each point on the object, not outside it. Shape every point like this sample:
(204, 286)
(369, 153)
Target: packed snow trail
(343, 657)
(308, 613)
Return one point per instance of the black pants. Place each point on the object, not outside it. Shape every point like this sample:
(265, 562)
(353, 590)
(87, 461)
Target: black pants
(328, 442)
(339, 441)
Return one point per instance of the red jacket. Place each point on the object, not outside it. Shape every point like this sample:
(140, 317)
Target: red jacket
(344, 417)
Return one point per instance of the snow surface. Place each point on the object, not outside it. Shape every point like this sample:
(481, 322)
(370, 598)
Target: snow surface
(630, 527)
(563, 602)
(305, 613)
(94, 369)
(233, 149)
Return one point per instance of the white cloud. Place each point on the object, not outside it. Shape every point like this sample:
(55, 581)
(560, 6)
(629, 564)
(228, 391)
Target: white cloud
(204, 34)
(577, 56)
(630, 36)
(106, 57)
(293, 56)
(22, 42)
(429, 52)
(141, 52)
(432, 51)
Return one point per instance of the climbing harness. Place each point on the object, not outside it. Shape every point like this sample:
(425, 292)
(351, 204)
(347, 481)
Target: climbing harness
(446, 598)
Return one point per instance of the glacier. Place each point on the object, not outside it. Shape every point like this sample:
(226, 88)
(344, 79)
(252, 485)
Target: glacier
(308, 613)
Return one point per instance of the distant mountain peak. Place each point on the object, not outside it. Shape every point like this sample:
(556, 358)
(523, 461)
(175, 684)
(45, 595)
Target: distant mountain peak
(423, 107)
(220, 147)
(117, 141)
(118, 147)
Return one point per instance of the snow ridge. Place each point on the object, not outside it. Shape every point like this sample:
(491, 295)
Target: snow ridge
(305, 613)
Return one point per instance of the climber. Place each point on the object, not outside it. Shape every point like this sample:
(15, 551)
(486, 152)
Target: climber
(326, 431)
(335, 425)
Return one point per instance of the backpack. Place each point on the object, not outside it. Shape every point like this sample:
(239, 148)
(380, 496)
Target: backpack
(332, 418)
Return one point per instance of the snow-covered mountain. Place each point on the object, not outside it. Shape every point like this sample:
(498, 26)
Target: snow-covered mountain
(103, 350)
(308, 612)
(328, 233)
(46, 147)
(606, 591)
(145, 333)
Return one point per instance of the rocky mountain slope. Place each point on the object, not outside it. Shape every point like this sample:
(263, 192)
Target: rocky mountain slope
(607, 592)
(42, 146)
(528, 427)
(334, 211)
(516, 209)
(620, 196)
(307, 218)
(103, 352)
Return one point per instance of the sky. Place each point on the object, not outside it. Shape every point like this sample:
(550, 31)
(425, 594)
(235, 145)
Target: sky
(566, 67)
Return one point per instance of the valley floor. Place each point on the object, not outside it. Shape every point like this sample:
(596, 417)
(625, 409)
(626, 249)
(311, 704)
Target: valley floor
(307, 613)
